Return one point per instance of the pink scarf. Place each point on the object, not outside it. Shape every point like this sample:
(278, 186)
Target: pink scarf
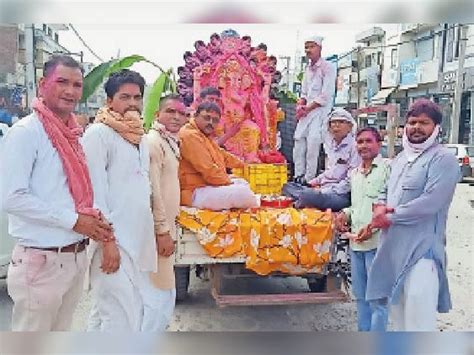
(65, 139)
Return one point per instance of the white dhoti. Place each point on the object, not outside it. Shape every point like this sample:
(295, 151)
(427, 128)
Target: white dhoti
(158, 308)
(118, 298)
(236, 195)
(417, 308)
(309, 135)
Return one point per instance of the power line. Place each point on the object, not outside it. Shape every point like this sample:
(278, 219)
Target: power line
(84, 43)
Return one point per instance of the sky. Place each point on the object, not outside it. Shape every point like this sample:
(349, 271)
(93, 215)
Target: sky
(165, 44)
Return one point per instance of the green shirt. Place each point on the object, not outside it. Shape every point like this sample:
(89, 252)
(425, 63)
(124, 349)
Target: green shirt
(365, 190)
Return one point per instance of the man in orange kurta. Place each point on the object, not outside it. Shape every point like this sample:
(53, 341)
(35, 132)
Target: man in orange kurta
(202, 171)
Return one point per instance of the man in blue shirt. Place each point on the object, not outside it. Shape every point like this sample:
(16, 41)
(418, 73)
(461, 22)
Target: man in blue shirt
(409, 269)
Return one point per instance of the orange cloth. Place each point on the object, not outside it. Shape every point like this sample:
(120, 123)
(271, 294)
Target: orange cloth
(203, 162)
(129, 126)
(286, 240)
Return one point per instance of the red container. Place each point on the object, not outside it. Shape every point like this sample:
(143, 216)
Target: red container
(285, 203)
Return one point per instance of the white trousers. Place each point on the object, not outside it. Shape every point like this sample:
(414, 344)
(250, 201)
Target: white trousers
(216, 198)
(118, 304)
(158, 308)
(127, 300)
(418, 299)
(306, 150)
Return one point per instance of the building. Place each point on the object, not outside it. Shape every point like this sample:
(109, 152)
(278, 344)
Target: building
(449, 76)
(13, 56)
(421, 60)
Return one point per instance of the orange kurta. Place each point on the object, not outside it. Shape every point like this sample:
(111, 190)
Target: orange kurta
(203, 162)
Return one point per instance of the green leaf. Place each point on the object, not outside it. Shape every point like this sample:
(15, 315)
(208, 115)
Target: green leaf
(98, 75)
(300, 76)
(153, 100)
(95, 78)
(126, 62)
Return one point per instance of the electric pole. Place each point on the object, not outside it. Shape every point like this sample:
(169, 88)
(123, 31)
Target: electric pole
(30, 69)
(454, 134)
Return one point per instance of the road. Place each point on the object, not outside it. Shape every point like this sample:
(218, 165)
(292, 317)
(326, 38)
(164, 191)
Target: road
(199, 312)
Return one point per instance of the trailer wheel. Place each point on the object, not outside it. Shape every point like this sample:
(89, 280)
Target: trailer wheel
(181, 274)
(317, 283)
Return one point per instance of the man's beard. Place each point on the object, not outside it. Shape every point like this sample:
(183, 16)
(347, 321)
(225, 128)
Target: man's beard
(420, 139)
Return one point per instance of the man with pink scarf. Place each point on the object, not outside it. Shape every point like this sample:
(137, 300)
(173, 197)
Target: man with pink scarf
(46, 191)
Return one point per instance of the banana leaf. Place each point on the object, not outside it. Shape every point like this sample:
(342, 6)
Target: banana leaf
(101, 72)
(95, 78)
(126, 62)
(153, 100)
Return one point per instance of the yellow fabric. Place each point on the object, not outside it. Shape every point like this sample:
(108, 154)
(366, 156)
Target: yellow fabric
(286, 240)
(129, 126)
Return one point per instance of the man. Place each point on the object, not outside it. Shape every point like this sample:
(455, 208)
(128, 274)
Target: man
(164, 162)
(367, 182)
(331, 189)
(47, 192)
(202, 170)
(118, 159)
(212, 94)
(317, 94)
(409, 269)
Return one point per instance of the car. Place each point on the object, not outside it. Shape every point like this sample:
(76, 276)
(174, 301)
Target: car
(6, 245)
(465, 155)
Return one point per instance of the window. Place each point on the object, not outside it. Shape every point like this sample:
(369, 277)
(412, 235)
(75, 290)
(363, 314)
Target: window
(454, 33)
(393, 58)
(454, 150)
(456, 43)
(368, 61)
(45, 28)
(56, 37)
(424, 49)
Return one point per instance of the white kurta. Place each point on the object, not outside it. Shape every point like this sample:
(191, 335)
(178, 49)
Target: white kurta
(119, 173)
(318, 86)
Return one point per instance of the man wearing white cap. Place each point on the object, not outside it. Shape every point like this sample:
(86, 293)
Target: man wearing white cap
(317, 94)
(331, 189)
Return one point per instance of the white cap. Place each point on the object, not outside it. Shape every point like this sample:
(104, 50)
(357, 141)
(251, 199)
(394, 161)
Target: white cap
(316, 39)
(339, 114)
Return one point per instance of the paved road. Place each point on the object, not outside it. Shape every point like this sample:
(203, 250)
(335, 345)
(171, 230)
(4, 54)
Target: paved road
(199, 312)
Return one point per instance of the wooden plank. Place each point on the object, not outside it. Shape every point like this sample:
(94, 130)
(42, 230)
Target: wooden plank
(280, 299)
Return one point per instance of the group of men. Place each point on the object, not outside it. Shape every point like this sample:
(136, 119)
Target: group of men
(115, 186)
(121, 189)
(393, 214)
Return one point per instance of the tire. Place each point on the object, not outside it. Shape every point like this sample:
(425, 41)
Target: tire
(317, 284)
(181, 274)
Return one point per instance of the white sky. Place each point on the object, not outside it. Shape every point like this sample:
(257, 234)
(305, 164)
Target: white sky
(165, 44)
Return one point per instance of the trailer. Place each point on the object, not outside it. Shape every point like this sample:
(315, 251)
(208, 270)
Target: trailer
(328, 286)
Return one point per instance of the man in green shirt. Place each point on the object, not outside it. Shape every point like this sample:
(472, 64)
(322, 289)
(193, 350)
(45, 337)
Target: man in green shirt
(367, 182)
